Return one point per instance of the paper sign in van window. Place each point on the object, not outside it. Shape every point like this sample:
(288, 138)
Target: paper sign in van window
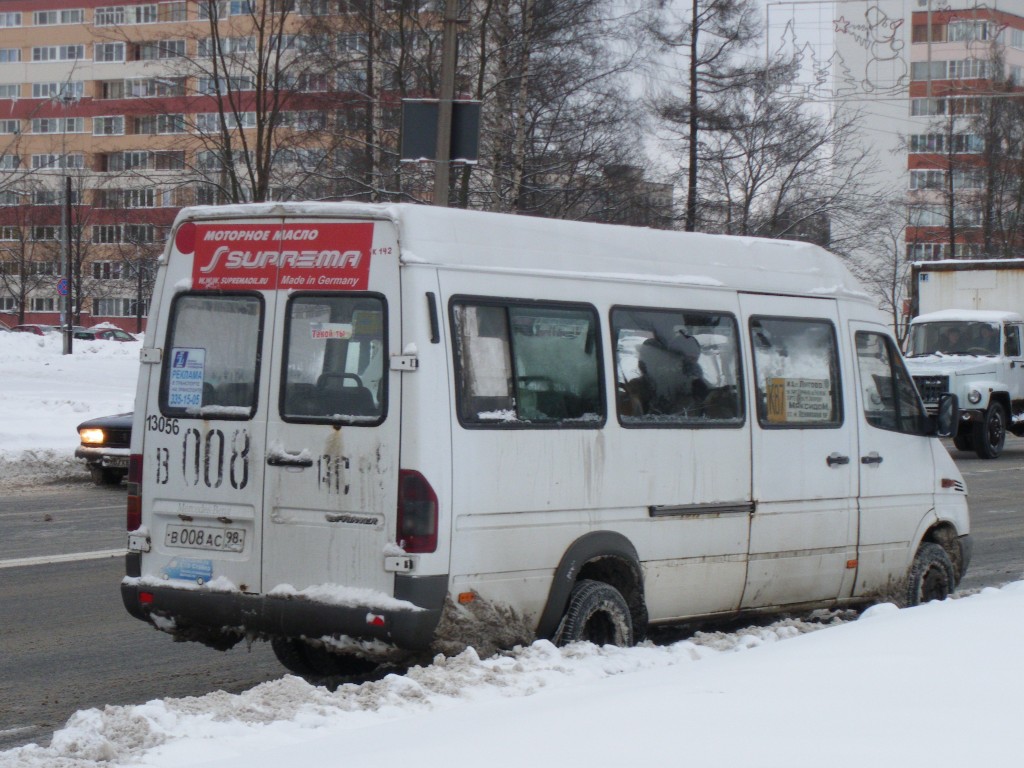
(314, 256)
(324, 331)
(185, 387)
(799, 401)
(366, 323)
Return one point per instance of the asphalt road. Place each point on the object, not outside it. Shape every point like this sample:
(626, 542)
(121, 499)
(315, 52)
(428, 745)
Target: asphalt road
(66, 642)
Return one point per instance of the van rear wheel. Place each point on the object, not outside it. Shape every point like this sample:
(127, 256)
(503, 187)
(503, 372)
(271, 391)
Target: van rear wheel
(315, 662)
(597, 613)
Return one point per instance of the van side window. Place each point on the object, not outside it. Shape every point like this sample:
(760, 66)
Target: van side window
(334, 359)
(797, 372)
(527, 365)
(211, 369)
(890, 398)
(676, 368)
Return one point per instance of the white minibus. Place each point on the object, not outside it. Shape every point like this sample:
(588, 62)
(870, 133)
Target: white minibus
(371, 432)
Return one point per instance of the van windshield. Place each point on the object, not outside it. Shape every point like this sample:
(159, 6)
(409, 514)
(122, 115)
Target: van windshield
(954, 337)
(334, 360)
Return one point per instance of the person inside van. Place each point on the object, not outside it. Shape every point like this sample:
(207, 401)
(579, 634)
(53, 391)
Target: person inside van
(671, 380)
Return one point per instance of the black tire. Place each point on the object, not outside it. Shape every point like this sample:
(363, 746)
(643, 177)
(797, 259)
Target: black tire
(105, 475)
(597, 613)
(314, 662)
(990, 432)
(931, 575)
(964, 441)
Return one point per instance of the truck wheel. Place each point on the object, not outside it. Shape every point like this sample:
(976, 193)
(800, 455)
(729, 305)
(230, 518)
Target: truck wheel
(597, 613)
(931, 575)
(990, 432)
(964, 441)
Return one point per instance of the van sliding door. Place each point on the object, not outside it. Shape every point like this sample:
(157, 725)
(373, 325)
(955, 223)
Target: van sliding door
(803, 531)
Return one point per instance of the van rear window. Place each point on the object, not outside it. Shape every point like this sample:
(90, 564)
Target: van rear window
(521, 365)
(211, 366)
(334, 370)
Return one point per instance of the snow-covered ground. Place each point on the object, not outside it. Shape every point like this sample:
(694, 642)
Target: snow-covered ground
(45, 394)
(940, 685)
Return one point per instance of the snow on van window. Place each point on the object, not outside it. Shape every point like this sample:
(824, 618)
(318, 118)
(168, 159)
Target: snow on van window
(797, 373)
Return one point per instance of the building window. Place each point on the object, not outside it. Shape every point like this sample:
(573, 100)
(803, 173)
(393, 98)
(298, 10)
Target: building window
(75, 160)
(139, 233)
(10, 126)
(106, 270)
(52, 197)
(940, 143)
(8, 303)
(142, 88)
(40, 304)
(10, 19)
(10, 55)
(10, 162)
(960, 31)
(58, 52)
(921, 179)
(10, 234)
(106, 233)
(63, 90)
(47, 18)
(108, 126)
(174, 11)
(161, 49)
(9, 198)
(171, 160)
(58, 124)
(41, 234)
(108, 52)
(119, 308)
(10, 91)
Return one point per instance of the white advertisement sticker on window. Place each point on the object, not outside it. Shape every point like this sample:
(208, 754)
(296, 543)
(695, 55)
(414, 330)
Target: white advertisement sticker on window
(185, 388)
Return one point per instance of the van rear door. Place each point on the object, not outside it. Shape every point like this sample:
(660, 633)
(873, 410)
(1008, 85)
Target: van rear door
(331, 464)
(272, 460)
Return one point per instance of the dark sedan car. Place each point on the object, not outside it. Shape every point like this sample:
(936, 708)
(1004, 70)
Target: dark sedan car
(103, 334)
(106, 445)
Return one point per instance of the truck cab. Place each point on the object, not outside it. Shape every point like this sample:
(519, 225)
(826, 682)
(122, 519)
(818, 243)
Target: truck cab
(977, 355)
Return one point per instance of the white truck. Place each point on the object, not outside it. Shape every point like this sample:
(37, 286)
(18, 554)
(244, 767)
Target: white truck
(966, 338)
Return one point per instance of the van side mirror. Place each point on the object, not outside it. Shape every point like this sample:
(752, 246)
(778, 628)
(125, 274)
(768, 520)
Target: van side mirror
(947, 416)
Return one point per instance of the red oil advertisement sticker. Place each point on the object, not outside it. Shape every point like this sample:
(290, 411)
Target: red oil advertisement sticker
(314, 256)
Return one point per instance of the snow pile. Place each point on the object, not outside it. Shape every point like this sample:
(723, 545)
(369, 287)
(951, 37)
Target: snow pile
(936, 685)
(47, 394)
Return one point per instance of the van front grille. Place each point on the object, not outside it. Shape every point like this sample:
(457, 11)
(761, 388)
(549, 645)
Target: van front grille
(932, 387)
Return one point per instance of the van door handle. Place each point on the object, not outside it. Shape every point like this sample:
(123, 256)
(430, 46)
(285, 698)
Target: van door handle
(836, 460)
(289, 460)
(871, 458)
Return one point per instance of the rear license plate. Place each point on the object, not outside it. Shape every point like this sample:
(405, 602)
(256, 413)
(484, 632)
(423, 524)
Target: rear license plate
(115, 463)
(199, 537)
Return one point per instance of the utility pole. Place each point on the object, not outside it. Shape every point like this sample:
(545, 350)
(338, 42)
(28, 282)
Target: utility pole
(449, 45)
(68, 271)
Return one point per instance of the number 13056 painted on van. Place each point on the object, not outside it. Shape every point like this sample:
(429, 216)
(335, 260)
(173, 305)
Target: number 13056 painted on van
(401, 430)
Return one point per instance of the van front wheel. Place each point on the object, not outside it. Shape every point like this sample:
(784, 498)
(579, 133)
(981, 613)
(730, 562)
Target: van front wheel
(597, 613)
(931, 575)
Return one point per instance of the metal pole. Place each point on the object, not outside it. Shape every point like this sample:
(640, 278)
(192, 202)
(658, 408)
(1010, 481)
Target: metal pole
(442, 159)
(68, 303)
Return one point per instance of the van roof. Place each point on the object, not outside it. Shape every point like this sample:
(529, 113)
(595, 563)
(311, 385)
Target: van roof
(972, 315)
(508, 243)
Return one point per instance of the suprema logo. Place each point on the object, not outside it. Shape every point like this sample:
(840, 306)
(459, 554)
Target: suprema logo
(282, 259)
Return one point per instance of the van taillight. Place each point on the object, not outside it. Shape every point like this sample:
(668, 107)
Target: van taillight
(417, 513)
(134, 491)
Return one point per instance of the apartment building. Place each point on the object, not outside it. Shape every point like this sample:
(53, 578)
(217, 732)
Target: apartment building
(964, 164)
(126, 101)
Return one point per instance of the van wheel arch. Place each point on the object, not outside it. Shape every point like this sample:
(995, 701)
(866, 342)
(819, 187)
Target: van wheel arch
(945, 536)
(603, 556)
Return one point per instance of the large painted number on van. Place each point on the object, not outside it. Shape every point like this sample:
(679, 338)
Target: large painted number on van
(202, 459)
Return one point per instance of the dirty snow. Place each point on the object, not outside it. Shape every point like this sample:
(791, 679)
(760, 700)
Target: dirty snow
(937, 685)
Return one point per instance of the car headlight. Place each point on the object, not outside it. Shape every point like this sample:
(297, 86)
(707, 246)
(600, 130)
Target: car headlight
(974, 397)
(92, 436)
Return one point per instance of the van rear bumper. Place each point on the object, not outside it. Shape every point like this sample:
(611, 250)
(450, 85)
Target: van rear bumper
(220, 619)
